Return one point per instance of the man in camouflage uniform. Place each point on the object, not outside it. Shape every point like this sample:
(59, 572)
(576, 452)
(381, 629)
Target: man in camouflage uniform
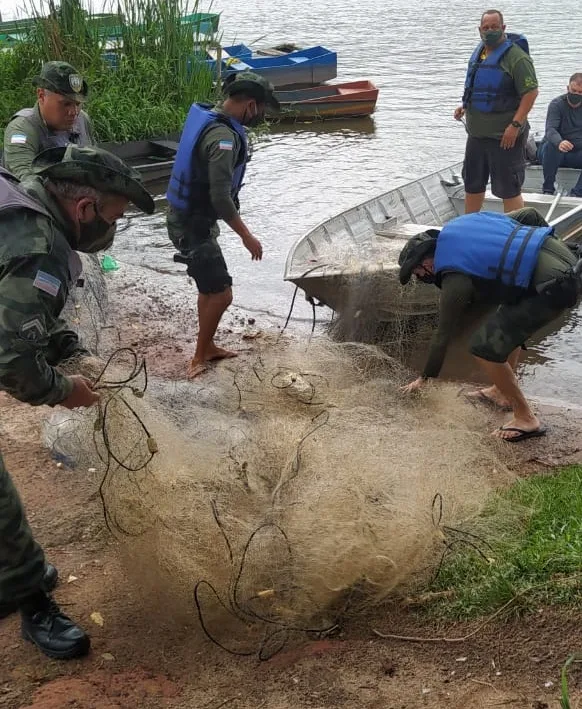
(55, 121)
(547, 287)
(75, 197)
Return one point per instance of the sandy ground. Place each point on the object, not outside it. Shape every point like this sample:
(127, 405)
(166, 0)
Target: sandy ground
(138, 661)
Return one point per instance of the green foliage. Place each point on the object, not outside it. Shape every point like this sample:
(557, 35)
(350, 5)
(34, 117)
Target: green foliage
(536, 559)
(158, 70)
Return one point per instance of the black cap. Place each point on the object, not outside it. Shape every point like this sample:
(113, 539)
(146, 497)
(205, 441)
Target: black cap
(253, 85)
(97, 168)
(417, 248)
(62, 78)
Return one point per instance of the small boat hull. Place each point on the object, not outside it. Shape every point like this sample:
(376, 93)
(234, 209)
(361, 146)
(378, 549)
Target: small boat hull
(305, 67)
(350, 262)
(153, 159)
(347, 100)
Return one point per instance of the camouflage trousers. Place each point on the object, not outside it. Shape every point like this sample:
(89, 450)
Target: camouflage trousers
(510, 326)
(21, 558)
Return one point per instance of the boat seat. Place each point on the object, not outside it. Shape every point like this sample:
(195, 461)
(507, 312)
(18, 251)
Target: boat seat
(401, 230)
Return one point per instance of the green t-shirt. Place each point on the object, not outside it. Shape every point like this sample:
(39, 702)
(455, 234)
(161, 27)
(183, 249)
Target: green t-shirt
(519, 65)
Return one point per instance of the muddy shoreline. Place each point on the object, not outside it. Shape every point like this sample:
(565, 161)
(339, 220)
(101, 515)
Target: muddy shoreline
(140, 660)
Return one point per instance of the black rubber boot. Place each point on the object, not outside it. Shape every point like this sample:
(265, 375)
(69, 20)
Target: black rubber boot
(50, 578)
(45, 625)
(7, 609)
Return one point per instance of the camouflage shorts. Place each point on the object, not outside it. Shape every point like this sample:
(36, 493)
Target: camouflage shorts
(510, 326)
(196, 238)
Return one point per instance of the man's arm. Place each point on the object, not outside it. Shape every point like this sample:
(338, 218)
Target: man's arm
(32, 292)
(21, 146)
(221, 152)
(457, 294)
(554, 123)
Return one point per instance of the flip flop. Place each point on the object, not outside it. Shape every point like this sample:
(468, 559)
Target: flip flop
(523, 435)
(481, 398)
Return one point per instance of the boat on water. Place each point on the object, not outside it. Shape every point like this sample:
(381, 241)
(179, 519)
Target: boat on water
(347, 100)
(350, 262)
(306, 67)
(153, 159)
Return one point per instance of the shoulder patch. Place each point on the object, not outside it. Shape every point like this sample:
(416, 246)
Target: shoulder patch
(33, 329)
(47, 283)
(17, 139)
(226, 145)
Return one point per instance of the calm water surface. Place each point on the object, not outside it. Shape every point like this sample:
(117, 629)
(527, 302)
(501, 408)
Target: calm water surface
(416, 53)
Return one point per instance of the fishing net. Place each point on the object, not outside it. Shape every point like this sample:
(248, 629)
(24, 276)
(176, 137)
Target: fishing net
(86, 309)
(283, 495)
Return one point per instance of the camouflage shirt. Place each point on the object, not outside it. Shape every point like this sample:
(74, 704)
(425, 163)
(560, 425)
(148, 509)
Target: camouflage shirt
(27, 134)
(37, 268)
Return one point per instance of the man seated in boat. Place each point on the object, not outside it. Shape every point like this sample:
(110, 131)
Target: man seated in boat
(500, 90)
(55, 121)
(511, 261)
(562, 144)
(204, 186)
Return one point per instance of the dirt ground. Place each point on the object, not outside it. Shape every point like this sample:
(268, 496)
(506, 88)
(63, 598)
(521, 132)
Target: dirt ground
(139, 662)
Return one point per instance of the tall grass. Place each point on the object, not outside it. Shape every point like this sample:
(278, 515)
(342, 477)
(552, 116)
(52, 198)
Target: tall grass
(142, 82)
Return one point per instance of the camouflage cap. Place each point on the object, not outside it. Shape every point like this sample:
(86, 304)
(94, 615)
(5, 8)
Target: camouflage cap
(416, 250)
(97, 168)
(246, 82)
(62, 78)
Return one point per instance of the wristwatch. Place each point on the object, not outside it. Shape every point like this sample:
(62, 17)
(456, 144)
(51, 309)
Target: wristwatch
(516, 124)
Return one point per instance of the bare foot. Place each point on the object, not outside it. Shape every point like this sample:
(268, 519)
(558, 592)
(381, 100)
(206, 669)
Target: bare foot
(195, 369)
(491, 396)
(519, 429)
(215, 352)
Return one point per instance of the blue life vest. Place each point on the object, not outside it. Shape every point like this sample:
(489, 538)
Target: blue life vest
(186, 191)
(492, 246)
(488, 88)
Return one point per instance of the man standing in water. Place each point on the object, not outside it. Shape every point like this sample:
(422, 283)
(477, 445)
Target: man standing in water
(510, 261)
(500, 91)
(562, 145)
(204, 187)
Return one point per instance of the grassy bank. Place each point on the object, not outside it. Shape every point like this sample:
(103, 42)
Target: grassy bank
(530, 550)
(158, 73)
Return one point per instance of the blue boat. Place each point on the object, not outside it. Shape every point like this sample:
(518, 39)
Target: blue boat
(305, 67)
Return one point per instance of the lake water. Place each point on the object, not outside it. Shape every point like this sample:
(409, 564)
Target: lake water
(416, 54)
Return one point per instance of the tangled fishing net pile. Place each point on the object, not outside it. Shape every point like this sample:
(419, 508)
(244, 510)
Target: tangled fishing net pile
(285, 495)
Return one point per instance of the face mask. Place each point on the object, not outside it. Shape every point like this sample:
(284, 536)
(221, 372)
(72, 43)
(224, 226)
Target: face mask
(491, 37)
(96, 235)
(575, 100)
(428, 278)
(253, 121)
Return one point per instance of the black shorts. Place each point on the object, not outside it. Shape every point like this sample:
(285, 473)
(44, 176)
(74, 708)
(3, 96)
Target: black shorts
(196, 238)
(485, 158)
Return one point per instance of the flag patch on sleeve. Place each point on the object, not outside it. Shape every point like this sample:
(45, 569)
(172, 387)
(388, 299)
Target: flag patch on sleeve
(18, 139)
(225, 145)
(47, 283)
